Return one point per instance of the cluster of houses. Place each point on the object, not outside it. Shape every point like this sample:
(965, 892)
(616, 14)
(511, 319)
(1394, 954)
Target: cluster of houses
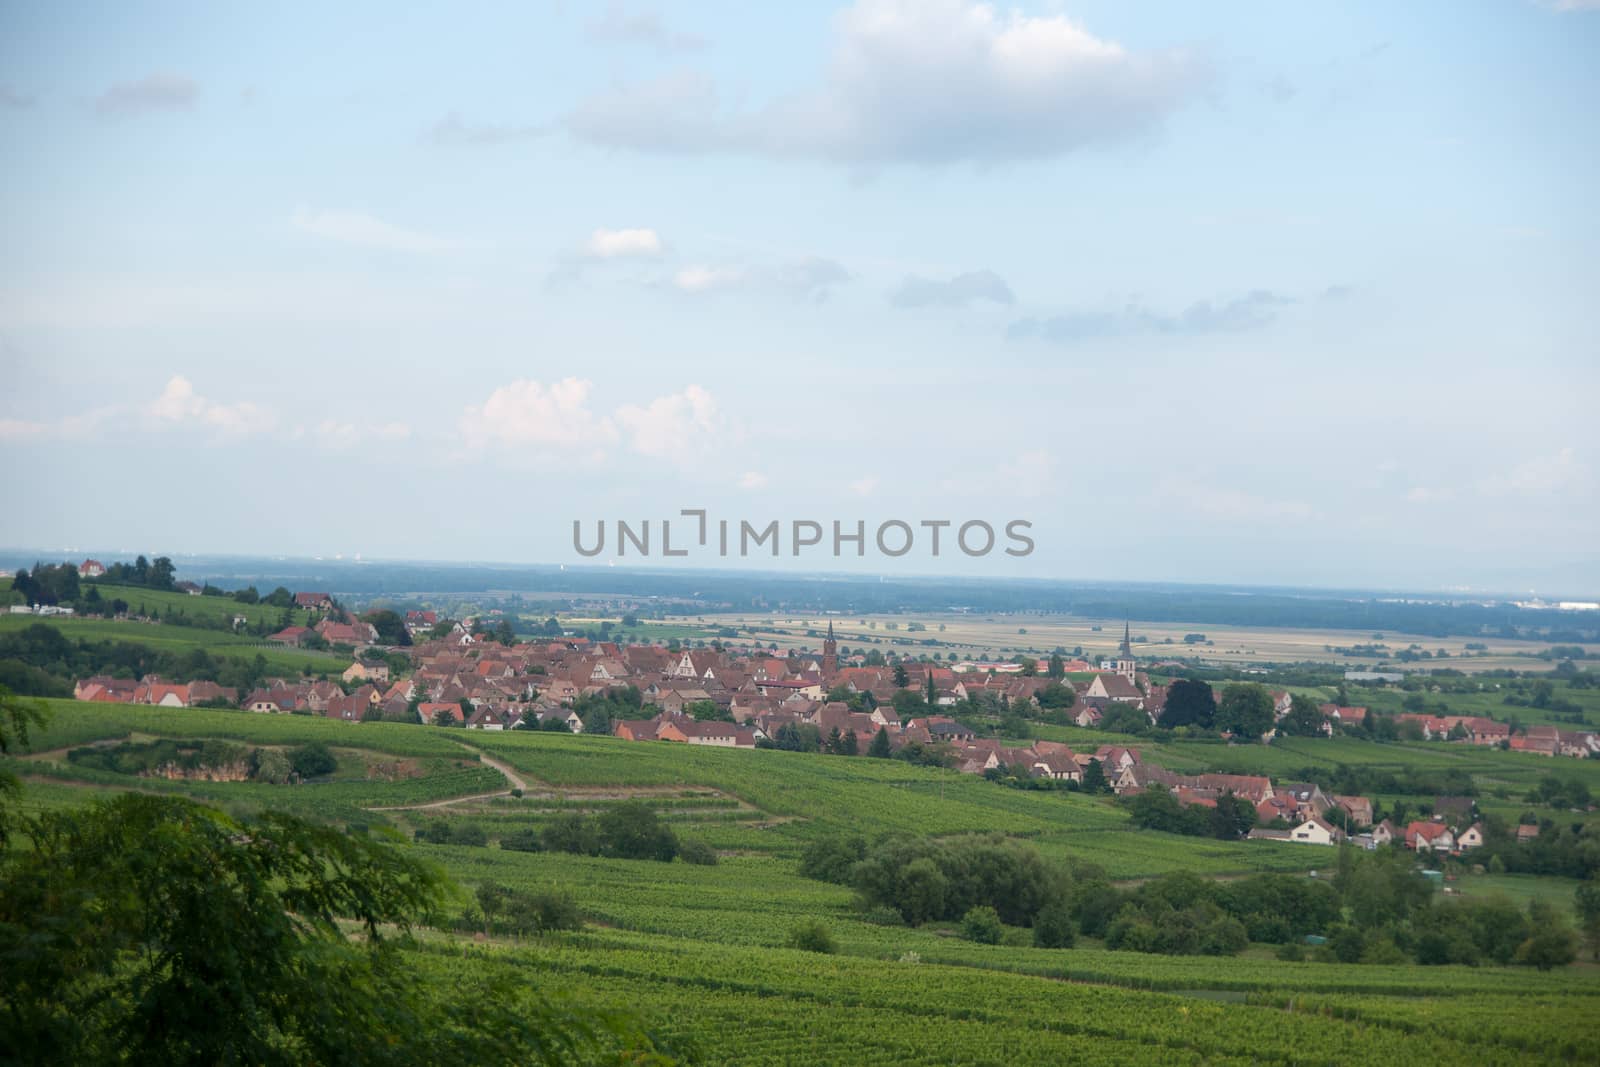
(1477, 730)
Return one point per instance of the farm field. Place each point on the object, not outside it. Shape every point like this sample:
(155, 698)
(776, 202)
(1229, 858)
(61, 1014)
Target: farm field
(970, 636)
(701, 952)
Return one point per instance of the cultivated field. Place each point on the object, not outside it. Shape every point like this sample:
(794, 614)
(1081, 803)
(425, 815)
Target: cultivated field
(701, 951)
(999, 637)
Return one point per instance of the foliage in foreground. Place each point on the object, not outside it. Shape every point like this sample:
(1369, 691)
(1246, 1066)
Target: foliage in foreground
(153, 929)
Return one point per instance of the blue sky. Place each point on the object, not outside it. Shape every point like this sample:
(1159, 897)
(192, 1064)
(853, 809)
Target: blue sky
(1255, 292)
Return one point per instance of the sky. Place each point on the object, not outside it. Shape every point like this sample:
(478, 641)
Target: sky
(1261, 293)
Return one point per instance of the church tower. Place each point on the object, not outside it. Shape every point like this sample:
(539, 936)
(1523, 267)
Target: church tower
(830, 653)
(1126, 665)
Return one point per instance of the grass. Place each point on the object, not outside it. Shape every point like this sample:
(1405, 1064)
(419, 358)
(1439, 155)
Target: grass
(180, 639)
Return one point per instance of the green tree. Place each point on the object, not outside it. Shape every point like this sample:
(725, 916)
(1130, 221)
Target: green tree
(1587, 900)
(1058, 666)
(1190, 702)
(1305, 718)
(313, 760)
(1094, 778)
(632, 830)
(880, 747)
(1245, 710)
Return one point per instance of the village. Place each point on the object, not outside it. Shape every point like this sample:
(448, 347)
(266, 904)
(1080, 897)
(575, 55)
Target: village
(718, 697)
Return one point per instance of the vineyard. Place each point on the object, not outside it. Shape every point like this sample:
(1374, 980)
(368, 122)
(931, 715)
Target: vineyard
(701, 952)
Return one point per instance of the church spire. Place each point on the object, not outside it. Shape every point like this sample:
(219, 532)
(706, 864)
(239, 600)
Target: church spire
(1127, 643)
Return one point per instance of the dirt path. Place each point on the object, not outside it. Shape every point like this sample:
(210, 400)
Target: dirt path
(504, 768)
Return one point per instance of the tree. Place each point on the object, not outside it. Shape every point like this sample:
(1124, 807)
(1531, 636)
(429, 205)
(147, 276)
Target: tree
(272, 766)
(901, 678)
(1058, 667)
(632, 830)
(880, 747)
(1232, 818)
(1587, 899)
(1094, 778)
(1245, 710)
(152, 929)
(849, 744)
(1305, 719)
(1030, 667)
(390, 625)
(707, 711)
(1054, 927)
(1190, 702)
(17, 716)
(1124, 719)
(313, 760)
(1056, 697)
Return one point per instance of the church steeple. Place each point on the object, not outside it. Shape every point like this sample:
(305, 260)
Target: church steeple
(1127, 643)
(830, 653)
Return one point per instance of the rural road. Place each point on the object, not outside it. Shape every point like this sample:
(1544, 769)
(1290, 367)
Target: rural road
(504, 768)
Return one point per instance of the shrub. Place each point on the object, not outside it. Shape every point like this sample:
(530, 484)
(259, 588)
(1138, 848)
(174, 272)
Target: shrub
(812, 937)
(435, 833)
(697, 852)
(882, 915)
(1291, 952)
(1053, 927)
(524, 840)
(982, 924)
(468, 833)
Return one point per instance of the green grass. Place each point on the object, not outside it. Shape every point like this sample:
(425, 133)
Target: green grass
(179, 639)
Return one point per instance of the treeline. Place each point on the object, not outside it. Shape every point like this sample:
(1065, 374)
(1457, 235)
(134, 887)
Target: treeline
(630, 830)
(1376, 909)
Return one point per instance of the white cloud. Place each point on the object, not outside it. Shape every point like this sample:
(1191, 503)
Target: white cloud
(675, 426)
(620, 244)
(455, 131)
(618, 26)
(21, 429)
(1423, 494)
(154, 92)
(752, 480)
(923, 81)
(702, 279)
(1542, 474)
(864, 486)
(527, 413)
(355, 228)
(1233, 505)
(179, 404)
(959, 291)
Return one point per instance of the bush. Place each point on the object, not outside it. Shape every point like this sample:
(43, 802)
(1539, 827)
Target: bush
(524, 840)
(1053, 927)
(882, 915)
(697, 852)
(1291, 952)
(812, 937)
(982, 924)
(313, 760)
(468, 833)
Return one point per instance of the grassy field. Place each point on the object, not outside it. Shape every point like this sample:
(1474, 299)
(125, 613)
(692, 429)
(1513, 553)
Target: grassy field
(179, 639)
(701, 951)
